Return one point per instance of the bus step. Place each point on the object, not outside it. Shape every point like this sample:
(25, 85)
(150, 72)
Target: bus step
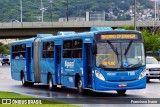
(59, 86)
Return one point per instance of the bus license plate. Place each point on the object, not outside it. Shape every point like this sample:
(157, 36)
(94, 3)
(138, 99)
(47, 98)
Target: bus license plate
(122, 85)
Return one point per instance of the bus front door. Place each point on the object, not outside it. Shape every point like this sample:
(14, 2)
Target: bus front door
(88, 65)
(58, 64)
(28, 63)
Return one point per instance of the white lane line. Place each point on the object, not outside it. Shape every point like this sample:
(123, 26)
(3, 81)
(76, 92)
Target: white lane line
(5, 77)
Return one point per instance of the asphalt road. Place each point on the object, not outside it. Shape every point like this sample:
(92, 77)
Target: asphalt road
(94, 99)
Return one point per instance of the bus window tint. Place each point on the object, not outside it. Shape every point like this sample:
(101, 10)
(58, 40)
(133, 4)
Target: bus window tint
(77, 43)
(22, 51)
(48, 49)
(67, 49)
(32, 50)
(18, 51)
(77, 52)
(67, 44)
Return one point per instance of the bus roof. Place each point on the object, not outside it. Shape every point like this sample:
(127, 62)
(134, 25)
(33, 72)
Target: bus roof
(76, 35)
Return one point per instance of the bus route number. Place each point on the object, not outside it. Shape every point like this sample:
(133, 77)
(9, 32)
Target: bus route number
(131, 73)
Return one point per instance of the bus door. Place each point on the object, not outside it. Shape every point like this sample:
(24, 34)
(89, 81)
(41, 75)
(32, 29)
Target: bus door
(28, 63)
(87, 58)
(58, 64)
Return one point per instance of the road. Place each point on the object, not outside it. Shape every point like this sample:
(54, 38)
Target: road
(67, 95)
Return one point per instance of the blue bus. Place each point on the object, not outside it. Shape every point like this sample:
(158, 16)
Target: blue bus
(101, 59)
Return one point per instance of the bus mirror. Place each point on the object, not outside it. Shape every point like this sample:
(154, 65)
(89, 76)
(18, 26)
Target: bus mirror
(145, 52)
(94, 49)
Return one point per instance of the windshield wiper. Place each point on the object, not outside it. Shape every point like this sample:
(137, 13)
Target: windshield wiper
(113, 48)
(128, 47)
(135, 65)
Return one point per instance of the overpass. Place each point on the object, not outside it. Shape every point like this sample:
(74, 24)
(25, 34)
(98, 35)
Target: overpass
(30, 29)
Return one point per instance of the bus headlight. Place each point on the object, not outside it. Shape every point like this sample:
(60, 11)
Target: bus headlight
(99, 75)
(142, 74)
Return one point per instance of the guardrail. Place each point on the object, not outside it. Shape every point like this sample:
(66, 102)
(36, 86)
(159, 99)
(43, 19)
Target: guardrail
(78, 24)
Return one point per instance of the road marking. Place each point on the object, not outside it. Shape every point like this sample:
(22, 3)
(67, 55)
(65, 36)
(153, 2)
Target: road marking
(5, 77)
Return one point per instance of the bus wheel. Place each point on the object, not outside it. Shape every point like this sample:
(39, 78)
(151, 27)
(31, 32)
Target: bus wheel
(79, 87)
(30, 84)
(148, 80)
(50, 83)
(121, 92)
(24, 83)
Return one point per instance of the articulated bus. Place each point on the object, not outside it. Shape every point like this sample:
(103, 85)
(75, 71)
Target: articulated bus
(101, 59)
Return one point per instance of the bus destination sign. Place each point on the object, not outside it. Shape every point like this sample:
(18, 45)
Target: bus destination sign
(118, 36)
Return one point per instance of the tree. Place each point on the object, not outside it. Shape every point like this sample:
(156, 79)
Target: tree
(151, 41)
(4, 49)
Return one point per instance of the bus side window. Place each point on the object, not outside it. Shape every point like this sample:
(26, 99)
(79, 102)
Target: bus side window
(67, 49)
(16, 56)
(32, 50)
(48, 49)
(77, 52)
(18, 51)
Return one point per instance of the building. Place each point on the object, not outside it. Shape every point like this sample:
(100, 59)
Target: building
(95, 16)
(72, 19)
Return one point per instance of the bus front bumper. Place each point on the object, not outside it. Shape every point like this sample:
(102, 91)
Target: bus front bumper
(126, 85)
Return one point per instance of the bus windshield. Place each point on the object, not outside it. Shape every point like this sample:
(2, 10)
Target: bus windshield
(120, 54)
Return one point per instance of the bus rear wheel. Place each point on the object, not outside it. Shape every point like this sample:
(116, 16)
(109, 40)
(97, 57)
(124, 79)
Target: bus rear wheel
(50, 82)
(121, 92)
(51, 85)
(79, 87)
(24, 83)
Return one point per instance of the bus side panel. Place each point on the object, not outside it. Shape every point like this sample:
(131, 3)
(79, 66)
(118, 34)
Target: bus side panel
(47, 65)
(69, 69)
(17, 65)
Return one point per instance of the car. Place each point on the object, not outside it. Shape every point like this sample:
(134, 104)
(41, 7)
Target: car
(5, 61)
(153, 68)
(13, 20)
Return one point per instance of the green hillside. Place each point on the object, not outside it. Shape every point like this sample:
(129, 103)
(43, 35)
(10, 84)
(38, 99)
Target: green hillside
(10, 9)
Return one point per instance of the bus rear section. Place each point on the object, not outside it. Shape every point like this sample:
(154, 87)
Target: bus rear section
(119, 61)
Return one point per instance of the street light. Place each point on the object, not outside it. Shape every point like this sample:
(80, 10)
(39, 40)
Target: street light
(21, 9)
(156, 9)
(42, 9)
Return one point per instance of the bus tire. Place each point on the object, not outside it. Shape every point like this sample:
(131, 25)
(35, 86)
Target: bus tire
(79, 87)
(51, 85)
(24, 83)
(148, 80)
(121, 92)
(30, 84)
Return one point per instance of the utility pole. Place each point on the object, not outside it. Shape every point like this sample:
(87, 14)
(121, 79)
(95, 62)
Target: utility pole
(134, 14)
(21, 9)
(51, 1)
(158, 9)
(67, 11)
(155, 10)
